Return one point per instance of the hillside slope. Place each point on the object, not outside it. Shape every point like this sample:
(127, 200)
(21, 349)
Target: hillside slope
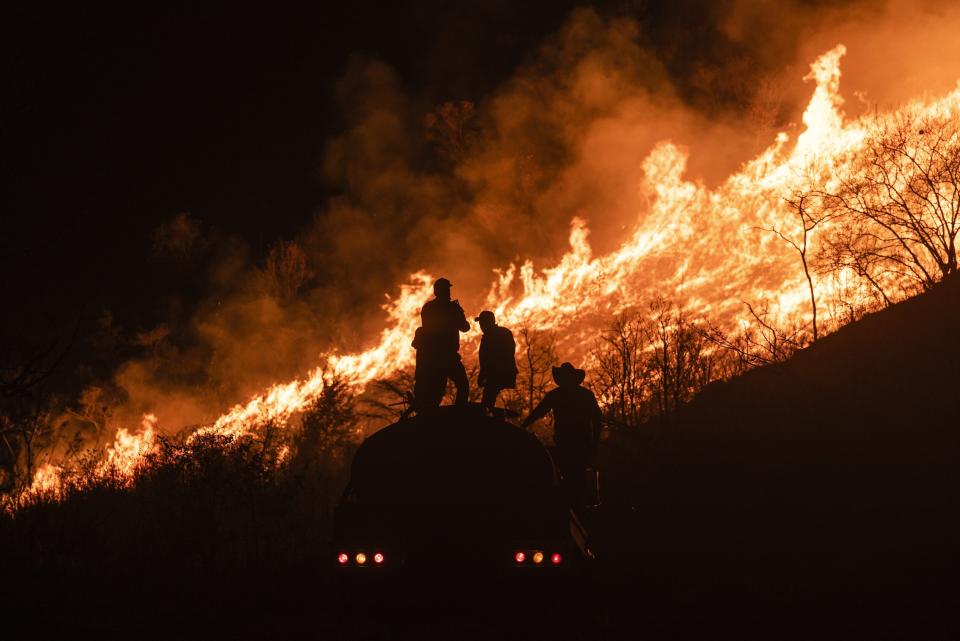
(822, 489)
(884, 390)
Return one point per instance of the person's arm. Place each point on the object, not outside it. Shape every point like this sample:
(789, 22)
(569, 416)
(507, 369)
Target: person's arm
(540, 410)
(483, 357)
(463, 326)
(425, 315)
(512, 346)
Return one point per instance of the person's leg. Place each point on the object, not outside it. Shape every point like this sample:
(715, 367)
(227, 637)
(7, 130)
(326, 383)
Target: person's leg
(439, 387)
(489, 398)
(459, 377)
(428, 388)
(573, 466)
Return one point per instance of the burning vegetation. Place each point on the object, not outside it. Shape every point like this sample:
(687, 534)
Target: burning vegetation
(847, 217)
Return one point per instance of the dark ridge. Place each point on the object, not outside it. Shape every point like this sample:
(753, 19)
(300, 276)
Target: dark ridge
(881, 391)
(821, 491)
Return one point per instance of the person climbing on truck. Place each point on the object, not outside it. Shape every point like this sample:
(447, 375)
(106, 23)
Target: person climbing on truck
(576, 427)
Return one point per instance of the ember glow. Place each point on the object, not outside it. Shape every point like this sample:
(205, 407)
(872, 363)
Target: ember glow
(706, 247)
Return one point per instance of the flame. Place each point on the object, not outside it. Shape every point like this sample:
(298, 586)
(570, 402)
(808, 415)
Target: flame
(129, 450)
(47, 481)
(393, 352)
(120, 463)
(705, 245)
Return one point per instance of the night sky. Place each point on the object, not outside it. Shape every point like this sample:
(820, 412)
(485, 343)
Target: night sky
(119, 119)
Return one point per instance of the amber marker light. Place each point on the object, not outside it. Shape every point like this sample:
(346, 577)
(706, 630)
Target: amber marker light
(361, 558)
(538, 557)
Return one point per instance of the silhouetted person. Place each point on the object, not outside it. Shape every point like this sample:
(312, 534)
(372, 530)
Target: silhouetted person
(424, 377)
(437, 342)
(576, 427)
(498, 365)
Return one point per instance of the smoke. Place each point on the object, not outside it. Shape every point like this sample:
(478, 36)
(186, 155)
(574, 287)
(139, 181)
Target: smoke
(462, 189)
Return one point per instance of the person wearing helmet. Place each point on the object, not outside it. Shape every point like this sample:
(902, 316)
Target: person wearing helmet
(437, 342)
(498, 364)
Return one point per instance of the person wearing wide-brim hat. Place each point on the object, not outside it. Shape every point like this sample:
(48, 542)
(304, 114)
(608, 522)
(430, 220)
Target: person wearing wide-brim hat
(576, 426)
(567, 375)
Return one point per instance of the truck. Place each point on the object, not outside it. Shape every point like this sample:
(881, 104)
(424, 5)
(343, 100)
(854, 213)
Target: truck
(458, 491)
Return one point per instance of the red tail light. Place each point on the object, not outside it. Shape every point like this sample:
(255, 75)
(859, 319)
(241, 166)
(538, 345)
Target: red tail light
(378, 558)
(342, 558)
(556, 558)
(519, 557)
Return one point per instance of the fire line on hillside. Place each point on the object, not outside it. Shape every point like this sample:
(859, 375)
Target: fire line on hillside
(708, 246)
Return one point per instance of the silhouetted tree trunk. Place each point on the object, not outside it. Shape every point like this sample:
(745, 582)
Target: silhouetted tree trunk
(24, 400)
(679, 364)
(537, 357)
(808, 220)
(621, 357)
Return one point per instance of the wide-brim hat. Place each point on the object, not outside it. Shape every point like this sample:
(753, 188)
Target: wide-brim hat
(567, 374)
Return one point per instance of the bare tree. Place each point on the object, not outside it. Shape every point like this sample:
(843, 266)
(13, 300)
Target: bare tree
(808, 218)
(390, 398)
(651, 363)
(763, 342)
(680, 365)
(537, 355)
(622, 360)
(22, 436)
(898, 206)
(96, 407)
(25, 417)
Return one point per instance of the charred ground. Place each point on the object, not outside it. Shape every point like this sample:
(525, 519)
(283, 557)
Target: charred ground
(816, 497)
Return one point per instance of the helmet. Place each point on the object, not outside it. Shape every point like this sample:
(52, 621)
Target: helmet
(486, 316)
(442, 284)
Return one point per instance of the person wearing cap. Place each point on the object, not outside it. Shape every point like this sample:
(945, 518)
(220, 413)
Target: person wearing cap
(498, 364)
(438, 348)
(576, 427)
